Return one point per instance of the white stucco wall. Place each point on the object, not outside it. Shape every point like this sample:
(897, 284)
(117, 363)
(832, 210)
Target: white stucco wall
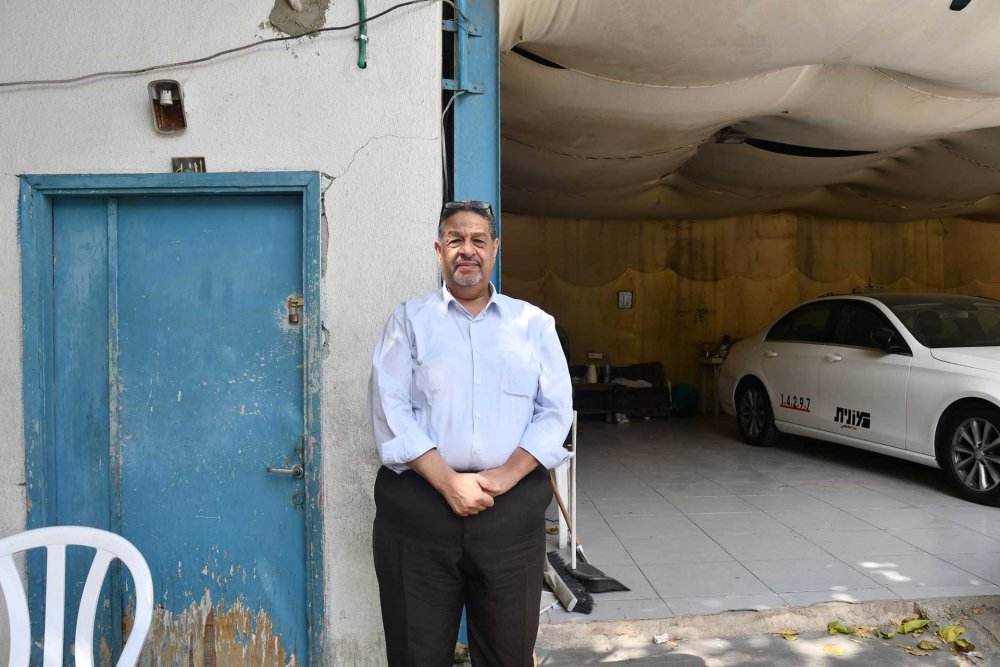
(302, 105)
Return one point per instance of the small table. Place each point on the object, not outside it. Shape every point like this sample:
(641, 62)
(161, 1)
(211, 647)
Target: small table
(713, 366)
(594, 399)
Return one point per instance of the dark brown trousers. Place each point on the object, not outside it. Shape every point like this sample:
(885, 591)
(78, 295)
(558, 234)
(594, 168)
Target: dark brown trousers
(430, 562)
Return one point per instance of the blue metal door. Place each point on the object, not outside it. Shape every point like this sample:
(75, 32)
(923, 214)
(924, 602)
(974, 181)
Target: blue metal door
(177, 381)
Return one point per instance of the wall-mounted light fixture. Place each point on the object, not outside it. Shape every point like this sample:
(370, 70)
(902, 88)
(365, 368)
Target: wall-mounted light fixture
(624, 299)
(168, 106)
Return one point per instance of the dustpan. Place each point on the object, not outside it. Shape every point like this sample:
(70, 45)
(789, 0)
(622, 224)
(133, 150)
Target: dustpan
(593, 579)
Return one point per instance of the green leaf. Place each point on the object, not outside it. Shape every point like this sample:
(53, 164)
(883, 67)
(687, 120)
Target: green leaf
(910, 626)
(964, 645)
(927, 645)
(788, 635)
(835, 627)
(950, 633)
(885, 634)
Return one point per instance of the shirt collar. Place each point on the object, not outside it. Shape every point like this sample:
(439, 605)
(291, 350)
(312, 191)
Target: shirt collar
(448, 297)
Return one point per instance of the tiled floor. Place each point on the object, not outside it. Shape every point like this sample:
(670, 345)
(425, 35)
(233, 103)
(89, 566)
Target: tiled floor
(694, 521)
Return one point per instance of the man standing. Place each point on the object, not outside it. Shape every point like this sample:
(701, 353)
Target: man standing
(470, 402)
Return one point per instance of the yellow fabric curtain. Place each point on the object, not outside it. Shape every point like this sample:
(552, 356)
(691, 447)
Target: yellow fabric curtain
(693, 281)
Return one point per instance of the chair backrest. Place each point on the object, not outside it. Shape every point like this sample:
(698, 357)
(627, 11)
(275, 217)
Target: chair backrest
(55, 539)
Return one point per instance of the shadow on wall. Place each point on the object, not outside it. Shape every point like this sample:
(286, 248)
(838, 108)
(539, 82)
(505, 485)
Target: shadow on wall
(694, 281)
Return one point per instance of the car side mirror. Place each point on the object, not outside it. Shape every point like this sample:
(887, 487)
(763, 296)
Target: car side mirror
(888, 341)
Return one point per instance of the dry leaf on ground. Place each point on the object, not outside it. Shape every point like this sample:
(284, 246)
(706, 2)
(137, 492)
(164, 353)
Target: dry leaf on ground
(911, 650)
(964, 645)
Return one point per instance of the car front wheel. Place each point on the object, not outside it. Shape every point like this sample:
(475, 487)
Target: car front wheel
(970, 454)
(753, 412)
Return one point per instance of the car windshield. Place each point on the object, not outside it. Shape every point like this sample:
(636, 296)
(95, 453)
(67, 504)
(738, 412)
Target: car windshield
(952, 322)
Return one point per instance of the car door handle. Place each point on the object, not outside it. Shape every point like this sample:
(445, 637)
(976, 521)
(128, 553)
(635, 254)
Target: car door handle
(833, 358)
(770, 354)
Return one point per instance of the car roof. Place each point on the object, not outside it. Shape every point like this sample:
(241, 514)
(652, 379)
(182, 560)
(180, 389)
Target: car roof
(892, 299)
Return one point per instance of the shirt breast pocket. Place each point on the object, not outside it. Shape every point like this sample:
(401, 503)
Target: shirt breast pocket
(518, 377)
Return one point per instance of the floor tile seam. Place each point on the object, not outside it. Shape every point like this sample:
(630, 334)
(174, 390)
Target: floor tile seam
(832, 555)
(905, 553)
(617, 538)
(875, 584)
(739, 560)
(651, 586)
(852, 512)
(687, 562)
(899, 537)
(819, 498)
(832, 507)
(772, 515)
(995, 582)
(736, 560)
(689, 514)
(995, 529)
(863, 573)
(920, 592)
(832, 590)
(754, 576)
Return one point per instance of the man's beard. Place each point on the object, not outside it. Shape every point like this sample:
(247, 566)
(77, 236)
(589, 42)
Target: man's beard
(465, 280)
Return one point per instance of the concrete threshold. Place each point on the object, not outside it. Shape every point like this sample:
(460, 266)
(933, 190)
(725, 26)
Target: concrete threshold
(632, 641)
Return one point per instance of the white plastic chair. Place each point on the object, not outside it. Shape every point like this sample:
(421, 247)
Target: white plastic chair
(55, 539)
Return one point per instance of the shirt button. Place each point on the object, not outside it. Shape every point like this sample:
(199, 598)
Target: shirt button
(477, 381)
(477, 415)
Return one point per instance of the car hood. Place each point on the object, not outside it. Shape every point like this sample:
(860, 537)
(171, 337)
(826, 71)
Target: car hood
(986, 358)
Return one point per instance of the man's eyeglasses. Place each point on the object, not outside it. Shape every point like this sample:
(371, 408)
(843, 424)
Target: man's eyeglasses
(469, 205)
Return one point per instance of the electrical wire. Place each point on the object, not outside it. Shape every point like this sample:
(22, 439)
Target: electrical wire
(444, 147)
(219, 54)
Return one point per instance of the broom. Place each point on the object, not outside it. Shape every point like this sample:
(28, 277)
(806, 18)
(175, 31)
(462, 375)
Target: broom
(569, 589)
(592, 578)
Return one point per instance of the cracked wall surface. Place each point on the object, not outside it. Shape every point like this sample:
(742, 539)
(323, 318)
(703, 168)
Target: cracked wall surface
(299, 105)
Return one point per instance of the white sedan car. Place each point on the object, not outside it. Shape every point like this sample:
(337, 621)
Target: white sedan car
(915, 376)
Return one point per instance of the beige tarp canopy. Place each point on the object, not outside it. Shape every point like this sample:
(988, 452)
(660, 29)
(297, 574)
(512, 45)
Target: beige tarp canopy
(629, 126)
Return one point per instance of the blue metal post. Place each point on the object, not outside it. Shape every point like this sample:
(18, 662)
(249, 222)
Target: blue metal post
(476, 165)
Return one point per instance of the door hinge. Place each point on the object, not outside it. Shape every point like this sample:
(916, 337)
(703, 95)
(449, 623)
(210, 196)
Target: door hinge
(450, 25)
(463, 30)
(451, 84)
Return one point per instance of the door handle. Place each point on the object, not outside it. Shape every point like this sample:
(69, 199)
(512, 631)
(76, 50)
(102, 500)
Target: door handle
(295, 471)
(832, 358)
(770, 354)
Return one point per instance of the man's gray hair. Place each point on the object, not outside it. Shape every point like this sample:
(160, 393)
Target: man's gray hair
(481, 208)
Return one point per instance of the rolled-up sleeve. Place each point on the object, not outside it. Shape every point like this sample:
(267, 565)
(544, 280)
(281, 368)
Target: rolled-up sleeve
(398, 437)
(553, 413)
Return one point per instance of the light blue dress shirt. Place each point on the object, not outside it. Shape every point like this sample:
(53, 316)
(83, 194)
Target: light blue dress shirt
(477, 388)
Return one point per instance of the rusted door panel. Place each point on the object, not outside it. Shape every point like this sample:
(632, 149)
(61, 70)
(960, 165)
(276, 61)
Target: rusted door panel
(80, 420)
(192, 366)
